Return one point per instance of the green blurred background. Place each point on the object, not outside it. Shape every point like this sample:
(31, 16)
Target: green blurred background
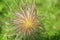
(49, 9)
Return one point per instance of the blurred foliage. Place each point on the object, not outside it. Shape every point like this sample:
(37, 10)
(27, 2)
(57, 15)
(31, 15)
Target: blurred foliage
(48, 9)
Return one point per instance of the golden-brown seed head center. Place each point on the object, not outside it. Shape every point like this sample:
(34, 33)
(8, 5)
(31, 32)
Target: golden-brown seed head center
(28, 23)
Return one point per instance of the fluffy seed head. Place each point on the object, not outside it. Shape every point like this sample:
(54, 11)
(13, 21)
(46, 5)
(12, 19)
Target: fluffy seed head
(27, 20)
